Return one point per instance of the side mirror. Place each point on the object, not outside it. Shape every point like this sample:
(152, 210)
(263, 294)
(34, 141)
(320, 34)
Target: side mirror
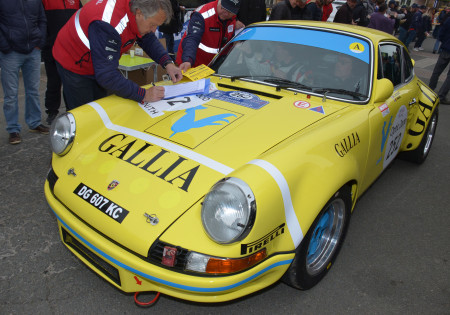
(413, 62)
(383, 89)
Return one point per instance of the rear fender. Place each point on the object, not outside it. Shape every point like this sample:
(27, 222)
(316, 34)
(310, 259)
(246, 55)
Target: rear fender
(422, 111)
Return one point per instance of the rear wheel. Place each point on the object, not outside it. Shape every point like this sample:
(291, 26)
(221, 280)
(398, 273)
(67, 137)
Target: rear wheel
(420, 154)
(318, 250)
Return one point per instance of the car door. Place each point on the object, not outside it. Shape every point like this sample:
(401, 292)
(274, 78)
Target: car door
(388, 119)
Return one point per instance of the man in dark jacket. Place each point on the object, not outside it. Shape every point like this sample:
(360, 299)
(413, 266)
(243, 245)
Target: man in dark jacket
(313, 10)
(284, 10)
(416, 24)
(58, 12)
(441, 64)
(345, 13)
(360, 14)
(406, 22)
(251, 11)
(174, 26)
(22, 36)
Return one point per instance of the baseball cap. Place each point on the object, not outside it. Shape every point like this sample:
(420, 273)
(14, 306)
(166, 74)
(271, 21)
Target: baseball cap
(414, 5)
(423, 7)
(231, 5)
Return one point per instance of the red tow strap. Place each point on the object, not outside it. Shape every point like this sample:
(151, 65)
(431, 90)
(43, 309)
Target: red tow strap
(145, 304)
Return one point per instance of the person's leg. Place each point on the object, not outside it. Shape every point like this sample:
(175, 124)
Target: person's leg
(77, 89)
(443, 91)
(31, 70)
(10, 64)
(169, 42)
(410, 37)
(439, 67)
(436, 46)
(402, 34)
(419, 41)
(53, 91)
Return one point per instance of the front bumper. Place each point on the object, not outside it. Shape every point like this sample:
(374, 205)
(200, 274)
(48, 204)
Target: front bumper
(131, 273)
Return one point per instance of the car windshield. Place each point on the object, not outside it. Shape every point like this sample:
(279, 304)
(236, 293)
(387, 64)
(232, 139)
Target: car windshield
(316, 61)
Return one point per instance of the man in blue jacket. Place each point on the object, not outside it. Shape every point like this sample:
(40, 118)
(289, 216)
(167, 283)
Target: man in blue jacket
(22, 36)
(442, 63)
(416, 25)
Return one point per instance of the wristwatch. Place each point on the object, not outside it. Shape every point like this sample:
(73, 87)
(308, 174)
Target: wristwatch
(168, 62)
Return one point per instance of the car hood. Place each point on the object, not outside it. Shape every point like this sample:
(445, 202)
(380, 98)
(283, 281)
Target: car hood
(160, 165)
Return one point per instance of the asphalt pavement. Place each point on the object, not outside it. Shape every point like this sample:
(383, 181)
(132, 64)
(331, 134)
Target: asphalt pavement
(395, 259)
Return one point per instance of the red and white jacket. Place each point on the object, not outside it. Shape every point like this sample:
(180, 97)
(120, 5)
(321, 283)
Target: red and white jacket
(73, 52)
(215, 35)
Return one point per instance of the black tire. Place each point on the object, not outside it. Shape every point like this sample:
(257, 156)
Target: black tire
(307, 269)
(420, 154)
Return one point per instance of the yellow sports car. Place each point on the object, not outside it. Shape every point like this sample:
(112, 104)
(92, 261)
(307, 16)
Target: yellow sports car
(214, 196)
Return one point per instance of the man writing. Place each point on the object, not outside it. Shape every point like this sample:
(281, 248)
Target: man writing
(88, 48)
(210, 28)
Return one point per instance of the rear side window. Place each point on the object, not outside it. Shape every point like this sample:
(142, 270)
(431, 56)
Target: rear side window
(407, 66)
(390, 64)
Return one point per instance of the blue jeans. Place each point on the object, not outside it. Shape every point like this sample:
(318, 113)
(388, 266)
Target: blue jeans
(437, 43)
(30, 64)
(403, 34)
(410, 37)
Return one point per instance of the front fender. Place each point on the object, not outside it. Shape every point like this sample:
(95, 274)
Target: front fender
(314, 164)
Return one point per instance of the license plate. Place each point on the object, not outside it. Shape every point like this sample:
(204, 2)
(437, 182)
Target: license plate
(100, 202)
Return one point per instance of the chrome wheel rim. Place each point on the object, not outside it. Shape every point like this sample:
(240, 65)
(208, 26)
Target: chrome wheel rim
(430, 135)
(325, 237)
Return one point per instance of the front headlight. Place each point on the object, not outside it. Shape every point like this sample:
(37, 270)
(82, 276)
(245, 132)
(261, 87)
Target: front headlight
(62, 134)
(228, 211)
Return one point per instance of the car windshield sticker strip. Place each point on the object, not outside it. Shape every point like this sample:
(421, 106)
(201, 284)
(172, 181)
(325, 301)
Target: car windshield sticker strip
(349, 45)
(291, 218)
(217, 166)
(165, 282)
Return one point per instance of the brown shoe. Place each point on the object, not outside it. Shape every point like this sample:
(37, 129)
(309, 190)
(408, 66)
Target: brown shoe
(41, 129)
(14, 138)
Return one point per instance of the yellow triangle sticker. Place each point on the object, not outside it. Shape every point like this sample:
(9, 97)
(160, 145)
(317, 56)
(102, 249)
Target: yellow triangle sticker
(357, 48)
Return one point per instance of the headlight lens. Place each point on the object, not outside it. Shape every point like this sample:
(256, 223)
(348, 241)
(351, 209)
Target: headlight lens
(62, 134)
(228, 211)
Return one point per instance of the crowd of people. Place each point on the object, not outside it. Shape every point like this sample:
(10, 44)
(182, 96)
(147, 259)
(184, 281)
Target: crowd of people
(81, 45)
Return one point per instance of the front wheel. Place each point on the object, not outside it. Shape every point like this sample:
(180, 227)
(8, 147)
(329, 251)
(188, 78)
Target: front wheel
(318, 250)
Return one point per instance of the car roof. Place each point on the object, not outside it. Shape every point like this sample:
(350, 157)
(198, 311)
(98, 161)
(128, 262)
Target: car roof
(374, 35)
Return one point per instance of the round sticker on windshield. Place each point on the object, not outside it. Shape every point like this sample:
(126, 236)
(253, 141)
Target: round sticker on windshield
(357, 48)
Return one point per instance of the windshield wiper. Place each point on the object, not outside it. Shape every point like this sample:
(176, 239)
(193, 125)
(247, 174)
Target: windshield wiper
(357, 95)
(283, 83)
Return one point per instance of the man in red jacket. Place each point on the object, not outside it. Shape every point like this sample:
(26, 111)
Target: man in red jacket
(211, 26)
(88, 48)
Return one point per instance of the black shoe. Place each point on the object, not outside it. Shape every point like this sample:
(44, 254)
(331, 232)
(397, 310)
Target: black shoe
(444, 101)
(51, 118)
(434, 51)
(41, 129)
(14, 138)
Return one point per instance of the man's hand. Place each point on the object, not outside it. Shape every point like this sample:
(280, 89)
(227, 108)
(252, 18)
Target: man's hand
(185, 66)
(153, 94)
(239, 24)
(174, 72)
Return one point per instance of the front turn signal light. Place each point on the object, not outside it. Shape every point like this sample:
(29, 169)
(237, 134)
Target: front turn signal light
(227, 265)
